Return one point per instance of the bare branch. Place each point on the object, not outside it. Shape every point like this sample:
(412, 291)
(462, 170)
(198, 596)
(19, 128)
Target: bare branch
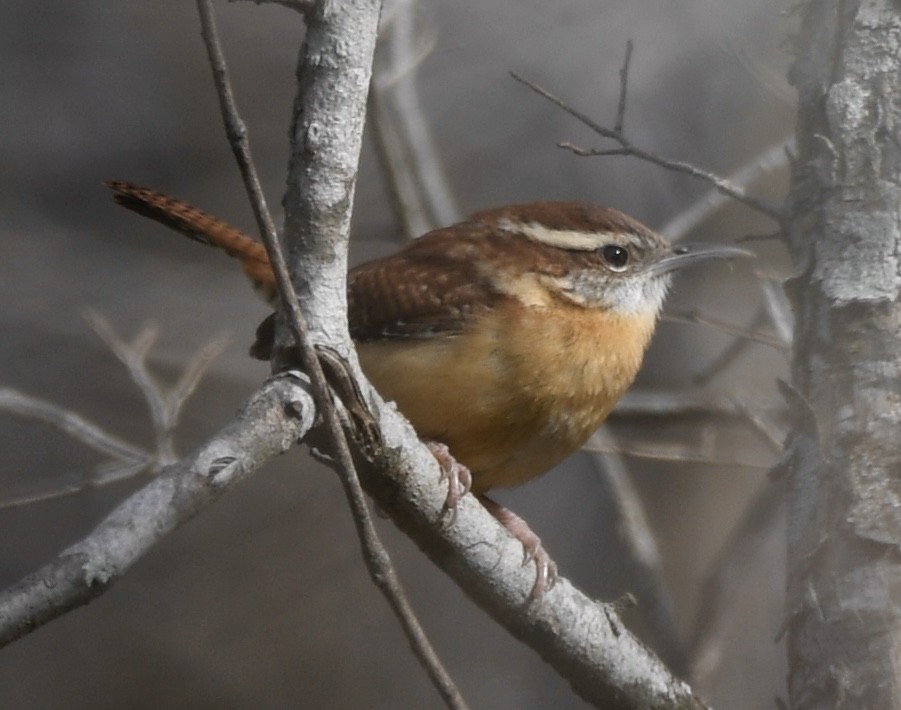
(378, 561)
(771, 434)
(628, 148)
(407, 151)
(675, 403)
(654, 450)
(76, 426)
(729, 354)
(623, 88)
(269, 424)
(777, 307)
(772, 159)
(643, 555)
(191, 377)
(133, 356)
(235, 129)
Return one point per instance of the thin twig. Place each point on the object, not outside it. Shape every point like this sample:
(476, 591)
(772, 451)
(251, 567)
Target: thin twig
(676, 453)
(773, 436)
(726, 582)
(623, 88)
(773, 158)
(628, 148)
(117, 472)
(777, 307)
(133, 355)
(643, 555)
(728, 355)
(165, 407)
(191, 377)
(376, 556)
(235, 129)
(695, 316)
(75, 425)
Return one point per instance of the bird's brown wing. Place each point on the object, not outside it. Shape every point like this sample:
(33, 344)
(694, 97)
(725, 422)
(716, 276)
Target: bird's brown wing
(430, 288)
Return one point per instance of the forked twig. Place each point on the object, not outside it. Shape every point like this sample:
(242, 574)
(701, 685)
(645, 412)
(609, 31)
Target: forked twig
(127, 460)
(165, 407)
(626, 147)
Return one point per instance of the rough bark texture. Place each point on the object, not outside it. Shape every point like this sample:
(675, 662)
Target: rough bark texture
(844, 459)
(333, 73)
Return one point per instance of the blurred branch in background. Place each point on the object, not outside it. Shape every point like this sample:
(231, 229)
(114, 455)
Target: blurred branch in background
(648, 583)
(165, 405)
(730, 579)
(87, 568)
(773, 159)
(409, 156)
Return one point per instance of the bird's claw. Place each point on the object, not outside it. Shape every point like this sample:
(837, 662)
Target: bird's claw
(533, 551)
(458, 477)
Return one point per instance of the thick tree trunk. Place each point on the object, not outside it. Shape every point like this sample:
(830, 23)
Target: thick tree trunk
(844, 458)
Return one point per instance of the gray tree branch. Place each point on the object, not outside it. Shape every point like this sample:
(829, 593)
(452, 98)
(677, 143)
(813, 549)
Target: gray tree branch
(269, 424)
(844, 455)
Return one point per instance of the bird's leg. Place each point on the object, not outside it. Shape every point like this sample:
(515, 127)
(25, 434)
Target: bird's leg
(545, 567)
(458, 477)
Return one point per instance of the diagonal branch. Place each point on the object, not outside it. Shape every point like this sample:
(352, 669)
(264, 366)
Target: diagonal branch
(378, 561)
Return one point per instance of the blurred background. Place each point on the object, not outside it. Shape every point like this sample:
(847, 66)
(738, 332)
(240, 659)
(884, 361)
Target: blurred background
(263, 601)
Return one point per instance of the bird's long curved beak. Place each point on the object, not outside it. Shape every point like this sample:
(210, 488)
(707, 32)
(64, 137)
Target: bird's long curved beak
(690, 254)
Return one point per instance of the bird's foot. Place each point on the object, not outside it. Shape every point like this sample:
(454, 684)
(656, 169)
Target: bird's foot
(545, 567)
(458, 477)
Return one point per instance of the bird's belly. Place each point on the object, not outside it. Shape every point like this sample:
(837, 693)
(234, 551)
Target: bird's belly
(509, 408)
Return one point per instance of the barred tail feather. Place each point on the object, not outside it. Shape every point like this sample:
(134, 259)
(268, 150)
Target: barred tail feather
(202, 227)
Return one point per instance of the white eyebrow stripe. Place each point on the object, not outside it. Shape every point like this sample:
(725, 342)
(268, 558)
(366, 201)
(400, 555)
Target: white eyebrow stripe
(563, 238)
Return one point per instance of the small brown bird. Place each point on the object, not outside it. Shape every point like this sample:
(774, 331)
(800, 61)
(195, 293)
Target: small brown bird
(508, 337)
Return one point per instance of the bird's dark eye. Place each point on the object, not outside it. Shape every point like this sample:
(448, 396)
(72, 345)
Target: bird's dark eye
(616, 256)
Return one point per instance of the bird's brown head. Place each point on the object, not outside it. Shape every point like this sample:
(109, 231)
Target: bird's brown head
(599, 257)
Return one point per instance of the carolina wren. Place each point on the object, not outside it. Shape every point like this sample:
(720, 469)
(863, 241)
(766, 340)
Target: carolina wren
(509, 337)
